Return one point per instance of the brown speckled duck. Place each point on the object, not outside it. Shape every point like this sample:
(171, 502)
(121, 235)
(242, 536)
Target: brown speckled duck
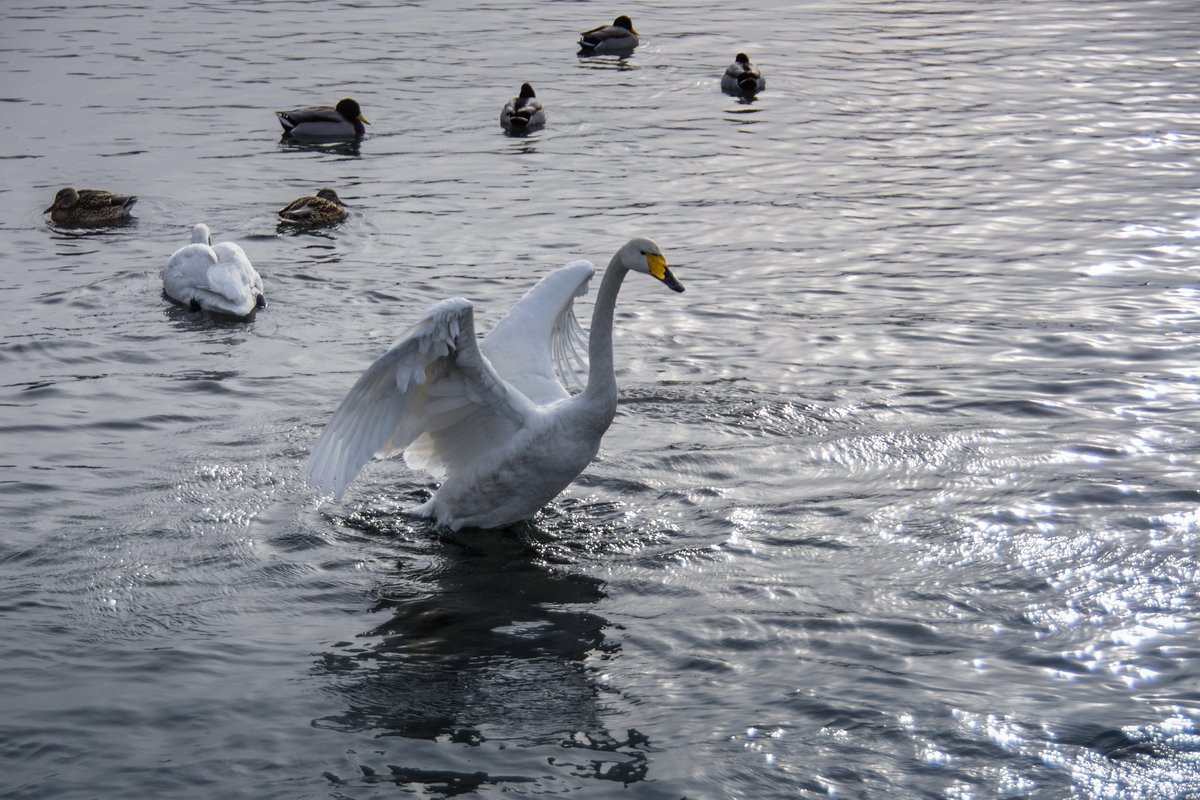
(90, 207)
(314, 211)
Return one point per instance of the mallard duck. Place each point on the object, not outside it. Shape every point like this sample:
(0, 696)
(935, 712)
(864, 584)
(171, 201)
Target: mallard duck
(215, 278)
(323, 208)
(90, 207)
(524, 112)
(743, 78)
(492, 418)
(322, 123)
(620, 37)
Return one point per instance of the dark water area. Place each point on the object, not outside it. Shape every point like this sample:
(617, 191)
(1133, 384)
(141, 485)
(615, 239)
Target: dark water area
(901, 499)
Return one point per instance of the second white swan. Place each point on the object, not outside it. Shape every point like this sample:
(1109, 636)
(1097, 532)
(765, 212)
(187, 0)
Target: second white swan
(216, 278)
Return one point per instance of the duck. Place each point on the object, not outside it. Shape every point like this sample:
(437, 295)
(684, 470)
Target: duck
(216, 278)
(492, 419)
(742, 78)
(90, 207)
(620, 37)
(324, 123)
(313, 211)
(524, 112)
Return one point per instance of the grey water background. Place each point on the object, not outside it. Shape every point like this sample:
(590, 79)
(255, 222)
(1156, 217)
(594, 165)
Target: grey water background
(901, 500)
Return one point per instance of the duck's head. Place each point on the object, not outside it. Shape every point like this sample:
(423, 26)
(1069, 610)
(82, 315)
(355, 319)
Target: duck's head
(626, 23)
(201, 235)
(743, 59)
(349, 109)
(643, 255)
(526, 92)
(330, 195)
(65, 198)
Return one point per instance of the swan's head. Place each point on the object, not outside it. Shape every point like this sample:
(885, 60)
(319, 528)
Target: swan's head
(349, 109)
(201, 235)
(643, 255)
(66, 198)
(626, 23)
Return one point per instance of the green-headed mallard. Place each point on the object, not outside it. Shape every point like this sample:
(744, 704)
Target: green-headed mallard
(323, 123)
(620, 37)
(90, 207)
(742, 77)
(524, 112)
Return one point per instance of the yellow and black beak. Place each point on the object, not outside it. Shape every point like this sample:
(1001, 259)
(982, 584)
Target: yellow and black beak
(658, 268)
(363, 119)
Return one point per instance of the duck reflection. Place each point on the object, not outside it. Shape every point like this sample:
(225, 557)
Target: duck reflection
(481, 642)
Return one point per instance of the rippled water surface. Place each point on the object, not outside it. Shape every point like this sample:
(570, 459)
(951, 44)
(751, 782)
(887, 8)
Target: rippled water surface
(901, 499)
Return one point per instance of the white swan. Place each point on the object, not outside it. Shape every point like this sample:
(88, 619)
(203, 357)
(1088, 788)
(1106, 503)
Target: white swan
(492, 418)
(216, 278)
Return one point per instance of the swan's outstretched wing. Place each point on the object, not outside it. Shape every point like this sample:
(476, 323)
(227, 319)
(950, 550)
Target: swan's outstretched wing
(431, 395)
(539, 346)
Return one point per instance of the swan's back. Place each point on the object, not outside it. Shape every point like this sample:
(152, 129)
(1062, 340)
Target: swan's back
(187, 268)
(216, 278)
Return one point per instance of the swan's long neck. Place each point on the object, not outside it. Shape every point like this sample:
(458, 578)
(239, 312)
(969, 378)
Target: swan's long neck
(602, 381)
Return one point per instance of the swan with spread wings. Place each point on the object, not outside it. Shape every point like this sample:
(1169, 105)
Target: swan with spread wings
(491, 418)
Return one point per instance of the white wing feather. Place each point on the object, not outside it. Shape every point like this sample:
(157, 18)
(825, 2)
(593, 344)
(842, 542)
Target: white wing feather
(539, 345)
(432, 395)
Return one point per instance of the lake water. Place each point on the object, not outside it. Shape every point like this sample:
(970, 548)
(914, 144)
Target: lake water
(901, 499)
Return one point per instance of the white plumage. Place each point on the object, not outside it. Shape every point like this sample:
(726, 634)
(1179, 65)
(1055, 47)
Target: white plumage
(216, 278)
(491, 418)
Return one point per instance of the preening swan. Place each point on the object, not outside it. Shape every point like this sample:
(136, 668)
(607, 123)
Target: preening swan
(216, 278)
(323, 123)
(90, 207)
(491, 418)
(524, 112)
(742, 78)
(314, 211)
(620, 37)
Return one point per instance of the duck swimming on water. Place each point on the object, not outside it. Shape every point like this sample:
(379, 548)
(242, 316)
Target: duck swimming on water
(620, 37)
(324, 123)
(315, 211)
(524, 112)
(90, 207)
(742, 78)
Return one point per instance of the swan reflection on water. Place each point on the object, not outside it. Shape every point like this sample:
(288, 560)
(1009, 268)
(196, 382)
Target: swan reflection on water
(480, 647)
